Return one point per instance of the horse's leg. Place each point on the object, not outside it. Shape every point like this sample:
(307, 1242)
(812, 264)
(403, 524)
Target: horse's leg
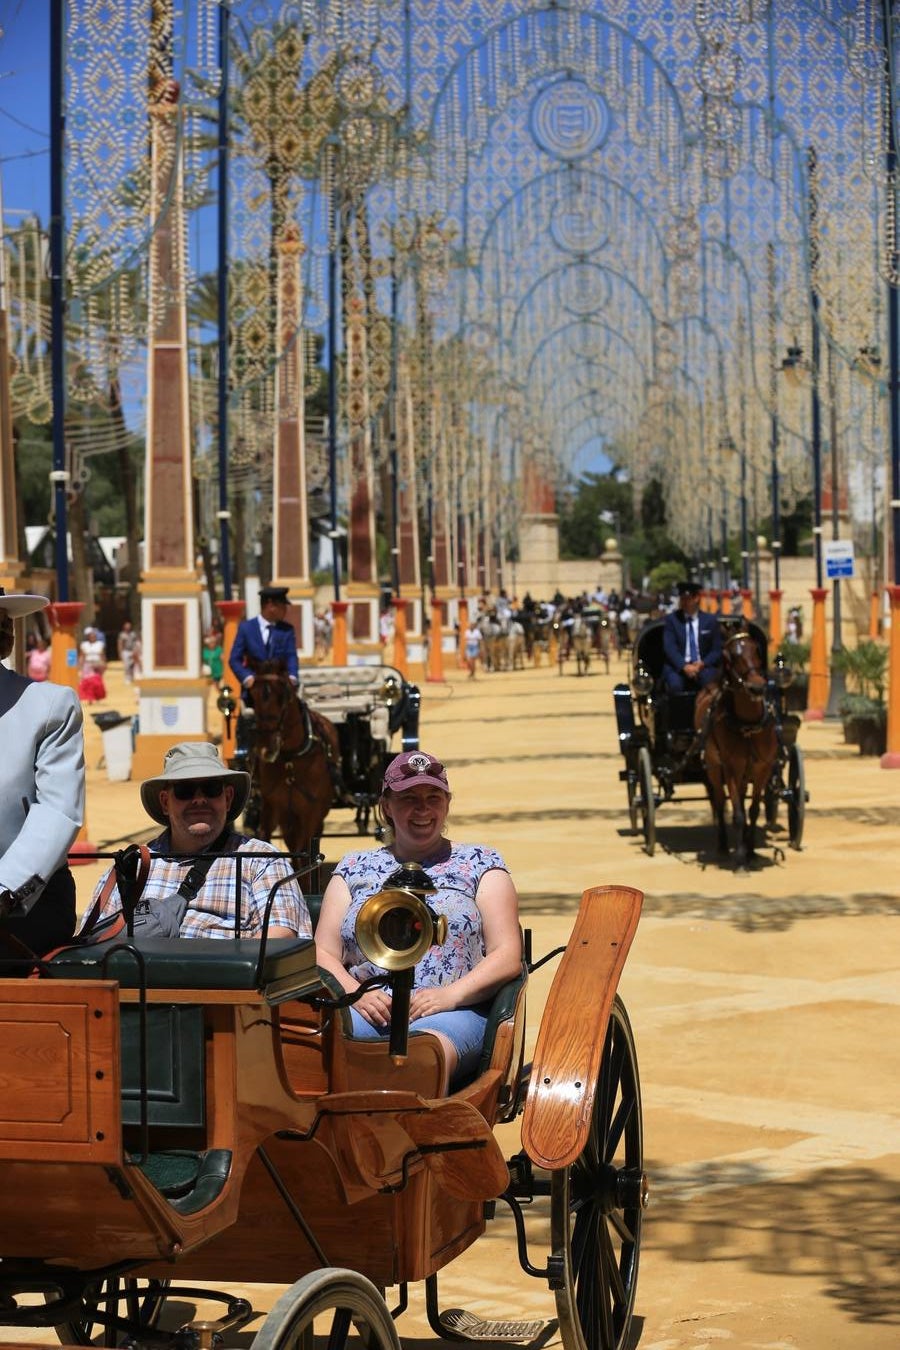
(267, 816)
(715, 787)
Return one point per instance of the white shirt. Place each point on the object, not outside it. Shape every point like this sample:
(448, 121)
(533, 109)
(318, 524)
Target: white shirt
(264, 627)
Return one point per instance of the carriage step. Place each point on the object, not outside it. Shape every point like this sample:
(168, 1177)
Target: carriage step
(457, 1324)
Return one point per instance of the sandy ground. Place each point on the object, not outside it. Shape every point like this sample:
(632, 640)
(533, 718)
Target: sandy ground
(764, 1007)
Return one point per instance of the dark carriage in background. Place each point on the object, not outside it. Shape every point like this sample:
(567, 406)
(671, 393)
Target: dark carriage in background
(662, 753)
(376, 714)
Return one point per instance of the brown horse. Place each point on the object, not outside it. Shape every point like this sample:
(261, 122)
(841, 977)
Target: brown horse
(740, 742)
(296, 759)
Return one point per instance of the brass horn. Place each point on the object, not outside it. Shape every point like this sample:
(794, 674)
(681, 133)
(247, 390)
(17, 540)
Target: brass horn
(395, 927)
(391, 690)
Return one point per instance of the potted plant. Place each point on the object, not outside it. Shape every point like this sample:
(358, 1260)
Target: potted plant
(863, 708)
(795, 655)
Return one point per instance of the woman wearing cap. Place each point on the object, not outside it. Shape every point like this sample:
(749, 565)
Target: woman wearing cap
(454, 982)
(41, 796)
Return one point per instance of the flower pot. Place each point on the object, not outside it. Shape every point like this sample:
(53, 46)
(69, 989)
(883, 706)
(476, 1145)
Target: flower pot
(868, 732)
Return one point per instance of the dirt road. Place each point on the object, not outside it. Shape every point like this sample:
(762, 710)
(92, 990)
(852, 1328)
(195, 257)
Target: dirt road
(764, 1007)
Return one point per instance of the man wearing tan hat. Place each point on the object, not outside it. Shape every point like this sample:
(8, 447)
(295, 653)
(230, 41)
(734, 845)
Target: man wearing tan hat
(198, 799)
(41, 797)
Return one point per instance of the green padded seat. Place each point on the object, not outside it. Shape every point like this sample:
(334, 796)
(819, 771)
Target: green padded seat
(288, 970)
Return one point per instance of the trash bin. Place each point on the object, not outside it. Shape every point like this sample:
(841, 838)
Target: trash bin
(118, 744)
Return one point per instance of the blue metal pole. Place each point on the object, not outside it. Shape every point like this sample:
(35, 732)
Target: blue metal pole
(59, 476)
(333, 402)
(812, 206)
(222, 260)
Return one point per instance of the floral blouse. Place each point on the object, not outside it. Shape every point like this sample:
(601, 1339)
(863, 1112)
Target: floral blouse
(456, 877)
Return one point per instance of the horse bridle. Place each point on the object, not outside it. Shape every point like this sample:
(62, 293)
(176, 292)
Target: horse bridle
(756, 690)
(311, 739)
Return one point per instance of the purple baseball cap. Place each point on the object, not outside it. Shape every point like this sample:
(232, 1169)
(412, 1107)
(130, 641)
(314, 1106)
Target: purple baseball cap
(415, 768)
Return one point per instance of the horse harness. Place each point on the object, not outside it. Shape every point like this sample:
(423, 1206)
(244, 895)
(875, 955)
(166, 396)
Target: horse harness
(311, 738)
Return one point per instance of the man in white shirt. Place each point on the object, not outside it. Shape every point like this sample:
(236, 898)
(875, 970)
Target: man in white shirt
(268, 637)
(692, 642)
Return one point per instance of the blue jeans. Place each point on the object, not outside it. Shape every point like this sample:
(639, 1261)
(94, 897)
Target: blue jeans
(464, 1027)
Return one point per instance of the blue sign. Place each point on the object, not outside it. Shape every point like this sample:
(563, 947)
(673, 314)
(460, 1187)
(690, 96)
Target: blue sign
(839, 558)
(71, 658)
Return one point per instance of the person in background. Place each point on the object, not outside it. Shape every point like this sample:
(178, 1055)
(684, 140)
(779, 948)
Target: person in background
(213, 656)
(91, 688)
(454, 982)
(197, 799)
(127, 644)
(268, 637)
(692, 642)
(37, 664)
(41, 796)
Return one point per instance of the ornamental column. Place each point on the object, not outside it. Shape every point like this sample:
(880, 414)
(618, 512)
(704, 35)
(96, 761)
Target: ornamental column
(817, 696)
(173, 693)
(290, 525)
(538, 565)
(362, 590)
(409, 564)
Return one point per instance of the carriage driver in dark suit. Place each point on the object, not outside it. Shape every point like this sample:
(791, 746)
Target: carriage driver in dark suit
(692, 643)
(265, 638)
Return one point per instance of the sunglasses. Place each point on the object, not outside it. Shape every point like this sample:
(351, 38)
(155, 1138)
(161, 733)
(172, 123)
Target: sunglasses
(398, 773)
(210, 787)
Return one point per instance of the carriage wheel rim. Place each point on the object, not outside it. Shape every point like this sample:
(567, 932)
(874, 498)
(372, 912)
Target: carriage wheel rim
(597, 1204)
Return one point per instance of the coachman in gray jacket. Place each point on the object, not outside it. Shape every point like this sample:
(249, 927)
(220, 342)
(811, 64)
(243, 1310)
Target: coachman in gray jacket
(41, 797)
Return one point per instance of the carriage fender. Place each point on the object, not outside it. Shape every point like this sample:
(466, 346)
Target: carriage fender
(569, 1050)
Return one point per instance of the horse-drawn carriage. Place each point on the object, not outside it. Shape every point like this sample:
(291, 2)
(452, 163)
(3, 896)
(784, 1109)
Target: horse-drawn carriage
(197, 1110)
(664, 749)
(326, 748)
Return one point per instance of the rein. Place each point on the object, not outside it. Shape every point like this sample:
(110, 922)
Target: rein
(278, 750)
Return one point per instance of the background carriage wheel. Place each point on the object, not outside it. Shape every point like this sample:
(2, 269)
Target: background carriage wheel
(631, 783)
(646, 799)
(796, 796)
(116, 1301)
(596, 1205)
(347, 1305)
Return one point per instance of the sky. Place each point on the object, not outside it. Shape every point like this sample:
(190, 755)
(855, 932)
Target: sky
(25, 136)
(25, 107)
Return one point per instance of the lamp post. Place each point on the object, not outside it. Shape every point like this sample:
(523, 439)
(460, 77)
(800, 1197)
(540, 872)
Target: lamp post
(837, 688)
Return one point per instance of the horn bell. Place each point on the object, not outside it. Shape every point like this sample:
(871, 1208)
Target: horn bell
(395, 928)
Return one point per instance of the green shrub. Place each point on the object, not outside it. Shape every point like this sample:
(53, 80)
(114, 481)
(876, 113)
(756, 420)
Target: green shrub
(865, 667)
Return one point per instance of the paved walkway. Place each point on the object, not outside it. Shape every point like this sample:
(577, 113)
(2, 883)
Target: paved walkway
(764, 1007)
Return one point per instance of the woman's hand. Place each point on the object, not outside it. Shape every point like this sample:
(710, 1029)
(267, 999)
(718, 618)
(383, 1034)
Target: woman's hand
(375, 1006)
(425, 1002)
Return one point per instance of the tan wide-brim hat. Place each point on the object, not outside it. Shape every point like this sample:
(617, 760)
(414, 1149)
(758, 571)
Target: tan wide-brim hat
(197, 760)
(18, 604)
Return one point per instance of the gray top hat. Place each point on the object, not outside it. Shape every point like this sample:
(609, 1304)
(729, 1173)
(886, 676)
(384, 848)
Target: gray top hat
(193, 760)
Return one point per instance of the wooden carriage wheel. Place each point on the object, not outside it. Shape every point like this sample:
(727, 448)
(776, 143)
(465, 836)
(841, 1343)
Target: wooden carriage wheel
(346, 1303)
(796, 796)
(596, 1205)
(646, 799)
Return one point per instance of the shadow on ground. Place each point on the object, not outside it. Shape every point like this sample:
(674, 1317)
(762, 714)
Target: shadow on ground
(838, 1227)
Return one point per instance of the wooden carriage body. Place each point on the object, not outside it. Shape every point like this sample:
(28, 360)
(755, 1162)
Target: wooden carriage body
(303, 1148)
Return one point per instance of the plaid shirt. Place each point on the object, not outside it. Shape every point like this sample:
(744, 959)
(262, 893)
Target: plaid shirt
(211, 913)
